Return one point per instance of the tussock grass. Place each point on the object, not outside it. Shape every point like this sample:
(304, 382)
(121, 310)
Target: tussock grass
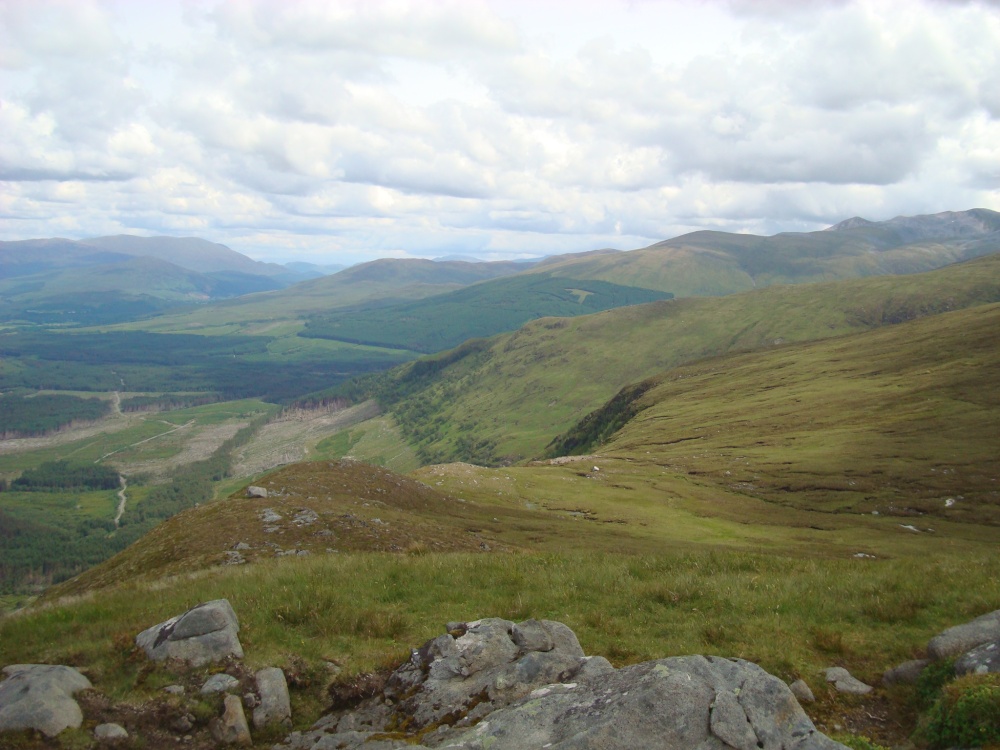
(364, 611)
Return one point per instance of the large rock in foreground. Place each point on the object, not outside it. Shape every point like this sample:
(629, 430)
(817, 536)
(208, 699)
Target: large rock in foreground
(965, 637)
(201, 635)
(40, 697)
(493, 684)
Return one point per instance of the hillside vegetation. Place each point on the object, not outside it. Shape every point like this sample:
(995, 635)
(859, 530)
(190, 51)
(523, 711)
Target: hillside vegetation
(446, 320)
(718, 263)
(503, 400)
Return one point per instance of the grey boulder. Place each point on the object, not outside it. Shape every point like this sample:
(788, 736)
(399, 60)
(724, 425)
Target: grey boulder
(110, 732)
(963, 638)
(504, 686)
(906, 673)
(231, 728)
(980, 660)
(689, 703)
(275, 706)
(40, 697)
(203, 634)
(845, 682)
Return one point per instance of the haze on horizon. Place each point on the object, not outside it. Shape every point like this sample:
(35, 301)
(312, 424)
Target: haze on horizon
(345, 131)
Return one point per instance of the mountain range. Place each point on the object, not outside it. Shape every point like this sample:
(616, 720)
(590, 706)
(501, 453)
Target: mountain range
(780, 449)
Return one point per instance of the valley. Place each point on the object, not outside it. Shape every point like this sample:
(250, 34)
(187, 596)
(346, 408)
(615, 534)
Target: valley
(800, 474)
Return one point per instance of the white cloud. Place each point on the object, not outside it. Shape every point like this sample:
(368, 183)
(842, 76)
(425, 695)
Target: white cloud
(358, 129)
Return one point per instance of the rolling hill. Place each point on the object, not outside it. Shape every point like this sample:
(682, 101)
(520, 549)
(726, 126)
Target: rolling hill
(503, 400)
(379, 282)
(718, 263)
(113, 279)
(481, 310)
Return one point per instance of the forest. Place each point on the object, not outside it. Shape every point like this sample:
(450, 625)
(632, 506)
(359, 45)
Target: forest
(31, 416)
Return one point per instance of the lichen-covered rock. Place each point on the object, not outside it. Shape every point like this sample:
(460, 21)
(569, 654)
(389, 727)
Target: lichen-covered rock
(203, 634)
(482, 686)
(40, 697)
(965, 637)
(980, 660)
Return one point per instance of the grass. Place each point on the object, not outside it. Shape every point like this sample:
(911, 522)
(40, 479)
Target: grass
(901, 421)
(363, 611)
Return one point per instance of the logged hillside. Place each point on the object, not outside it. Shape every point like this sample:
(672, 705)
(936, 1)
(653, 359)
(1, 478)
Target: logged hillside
(719, 263)
(504, 399)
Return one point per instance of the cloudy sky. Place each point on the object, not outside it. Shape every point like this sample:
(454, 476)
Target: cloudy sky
(341, 131)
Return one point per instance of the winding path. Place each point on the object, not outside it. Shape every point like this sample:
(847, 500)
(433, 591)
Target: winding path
(121, 500)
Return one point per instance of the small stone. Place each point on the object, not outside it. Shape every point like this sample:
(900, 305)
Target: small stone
(256, 491)
(250, 700)
(844, 682)
(802, 692)
(182, 724)
(110, 732)
(905, 673)
(174, 689)
(219, 683)
(231, 728)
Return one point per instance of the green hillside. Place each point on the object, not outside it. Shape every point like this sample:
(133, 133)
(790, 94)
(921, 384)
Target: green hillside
(718, 263)
(378, 282)
(901, 421)
(481, 310)
(504, 400)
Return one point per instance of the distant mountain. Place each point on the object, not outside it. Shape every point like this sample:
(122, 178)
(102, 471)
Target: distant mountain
(314, 270)
(28, 257)
(708, 263)
(113, 279)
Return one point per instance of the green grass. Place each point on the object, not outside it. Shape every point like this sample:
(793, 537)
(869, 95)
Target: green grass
(896, 421)
(362, 611)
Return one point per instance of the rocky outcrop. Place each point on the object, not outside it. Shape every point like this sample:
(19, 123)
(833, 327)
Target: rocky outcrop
(974, 645)
(40, 697)
(505, 686)
(204, 634)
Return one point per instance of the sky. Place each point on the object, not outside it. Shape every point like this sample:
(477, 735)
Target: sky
(336, 132)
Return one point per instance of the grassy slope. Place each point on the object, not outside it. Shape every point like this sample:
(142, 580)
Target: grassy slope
(485, 309)
(529, 386)
(898, 420)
